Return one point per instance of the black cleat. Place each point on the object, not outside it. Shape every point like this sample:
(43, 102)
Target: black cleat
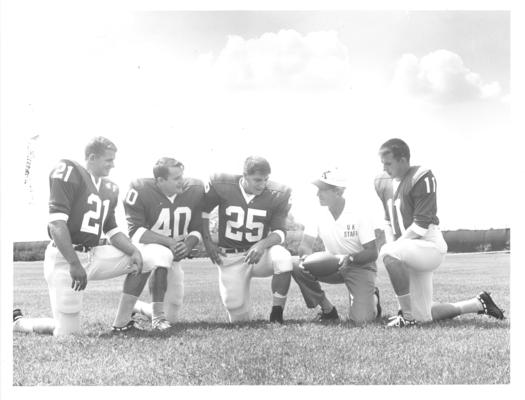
(130, 327)
(489, 307)
(277, 314)
(379, 310)
(329, 316)
(17, 314)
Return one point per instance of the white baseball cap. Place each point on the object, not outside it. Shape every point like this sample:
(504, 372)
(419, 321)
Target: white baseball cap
(331, 177)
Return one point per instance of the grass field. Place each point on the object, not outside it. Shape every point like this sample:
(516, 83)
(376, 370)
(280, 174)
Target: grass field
(205, 350)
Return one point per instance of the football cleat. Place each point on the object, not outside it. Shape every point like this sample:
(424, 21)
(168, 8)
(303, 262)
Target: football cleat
(160, 324)
(277, 314)
(130, 327)
(400, 322)
(489, 307)
(379, 310)
(329, 316)
(17, 314)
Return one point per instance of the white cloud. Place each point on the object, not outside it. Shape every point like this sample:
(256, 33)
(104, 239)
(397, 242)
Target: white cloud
(442, 77)
(286, 60)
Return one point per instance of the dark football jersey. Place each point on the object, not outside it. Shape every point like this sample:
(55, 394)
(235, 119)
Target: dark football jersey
(413, 202)
(147, 207)
(90, 211)
(243, 224)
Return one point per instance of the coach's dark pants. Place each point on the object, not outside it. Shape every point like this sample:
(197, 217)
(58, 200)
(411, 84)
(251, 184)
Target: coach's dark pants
(360, 282)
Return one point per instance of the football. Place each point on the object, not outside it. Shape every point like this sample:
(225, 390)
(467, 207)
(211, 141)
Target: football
(321, 263)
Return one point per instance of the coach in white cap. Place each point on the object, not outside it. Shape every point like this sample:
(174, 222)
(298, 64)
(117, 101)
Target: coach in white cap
(348, 233)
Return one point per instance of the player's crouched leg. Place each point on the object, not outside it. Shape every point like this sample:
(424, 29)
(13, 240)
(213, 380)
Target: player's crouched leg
(66, 303)
(175, 292)
(234, 288)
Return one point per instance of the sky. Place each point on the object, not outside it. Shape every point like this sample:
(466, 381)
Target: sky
(308, 90)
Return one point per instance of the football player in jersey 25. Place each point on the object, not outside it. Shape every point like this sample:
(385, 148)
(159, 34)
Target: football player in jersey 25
(81, 207)
(346, 232)
(165, 210)
(252, 214)
(414, 243)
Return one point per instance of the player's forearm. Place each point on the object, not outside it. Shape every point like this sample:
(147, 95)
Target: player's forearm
(62, 238)
(149, 237)
(271, 240)
(123, 243)
(365, 256)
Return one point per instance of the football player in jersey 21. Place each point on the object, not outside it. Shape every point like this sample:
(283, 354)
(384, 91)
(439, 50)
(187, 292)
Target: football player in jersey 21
(415, 246)
(81, 207)
(252, 213)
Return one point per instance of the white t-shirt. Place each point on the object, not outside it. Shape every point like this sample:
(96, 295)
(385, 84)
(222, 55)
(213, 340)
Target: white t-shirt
(346, 235)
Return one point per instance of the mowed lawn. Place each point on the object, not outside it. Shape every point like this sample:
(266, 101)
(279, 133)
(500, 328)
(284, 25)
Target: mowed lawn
(205, 350)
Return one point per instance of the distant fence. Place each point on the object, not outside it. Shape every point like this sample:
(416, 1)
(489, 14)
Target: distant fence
(460, 241)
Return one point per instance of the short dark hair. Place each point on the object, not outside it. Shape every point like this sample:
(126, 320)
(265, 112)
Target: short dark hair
(98, 146)
(396, 147)
(163, 165)
(255, 164)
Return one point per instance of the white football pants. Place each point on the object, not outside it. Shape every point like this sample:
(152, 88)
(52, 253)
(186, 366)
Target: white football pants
(421, 257)
(100, 263)
(235, 276)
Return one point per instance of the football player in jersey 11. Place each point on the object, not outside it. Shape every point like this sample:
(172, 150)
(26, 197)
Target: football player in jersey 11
(81, 207)
(166, 210)
(414, 243)
(252, 213)
(347, 232)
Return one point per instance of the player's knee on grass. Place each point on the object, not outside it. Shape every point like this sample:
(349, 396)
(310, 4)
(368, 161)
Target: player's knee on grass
(155, 255)
(66, 323)
(281, 259)
(239, 315)
(363, 311)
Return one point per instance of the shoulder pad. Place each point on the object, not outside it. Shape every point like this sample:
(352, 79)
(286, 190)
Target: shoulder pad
(109, 184)
(278, 187)
(417, 173)
(225, 178)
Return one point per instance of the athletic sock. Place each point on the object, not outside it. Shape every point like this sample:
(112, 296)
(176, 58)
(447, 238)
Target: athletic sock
(326, 306)
(279, 299)
(469, 306)
(23, 325)
(157, 310)
(125, 308)
(143, 308)
(404, 304)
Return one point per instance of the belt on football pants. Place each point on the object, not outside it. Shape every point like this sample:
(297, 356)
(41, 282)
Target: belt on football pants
(77, 247)
(233, 251)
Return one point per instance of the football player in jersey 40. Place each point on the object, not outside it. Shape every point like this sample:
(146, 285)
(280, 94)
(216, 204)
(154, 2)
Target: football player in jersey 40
(81, 207)
(166, 210)
(252, 218)
(415, 246)
(348, 236)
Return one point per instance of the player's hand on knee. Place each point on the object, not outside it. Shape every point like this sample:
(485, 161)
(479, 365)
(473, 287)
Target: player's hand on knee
(78, 277)
(179, 250)
(254, 255)
(214, 252)
(136, 262)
